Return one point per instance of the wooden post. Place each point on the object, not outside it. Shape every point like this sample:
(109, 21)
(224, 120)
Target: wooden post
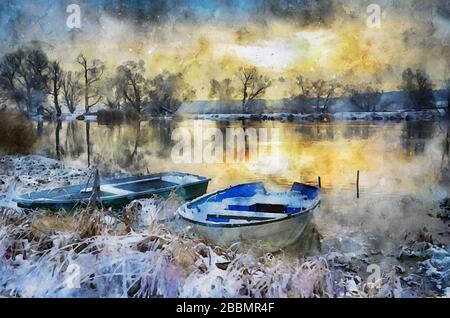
(95, 191)
(357, 184)
(320, 183)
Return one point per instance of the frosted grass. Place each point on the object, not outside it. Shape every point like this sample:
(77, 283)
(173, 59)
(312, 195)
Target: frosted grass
(143, 256)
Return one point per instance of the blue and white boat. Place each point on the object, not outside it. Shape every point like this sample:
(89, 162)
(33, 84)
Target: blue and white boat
(249, 213)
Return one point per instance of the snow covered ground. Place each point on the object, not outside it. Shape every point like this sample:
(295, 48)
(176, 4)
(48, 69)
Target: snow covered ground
(20, 174)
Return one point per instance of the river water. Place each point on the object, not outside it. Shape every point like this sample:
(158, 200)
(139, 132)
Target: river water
(400, 168)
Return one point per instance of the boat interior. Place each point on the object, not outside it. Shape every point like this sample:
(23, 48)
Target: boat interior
(120, 187)
(251, 203)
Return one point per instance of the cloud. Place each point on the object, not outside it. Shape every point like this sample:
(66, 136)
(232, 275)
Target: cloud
(212, 38)
(304, 12)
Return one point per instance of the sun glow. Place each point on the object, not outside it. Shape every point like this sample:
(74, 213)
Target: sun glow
(346, 51)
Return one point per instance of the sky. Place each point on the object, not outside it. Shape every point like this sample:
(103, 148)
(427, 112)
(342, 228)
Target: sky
(211, 39)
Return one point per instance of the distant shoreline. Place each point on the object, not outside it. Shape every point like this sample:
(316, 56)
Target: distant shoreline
(378, 116)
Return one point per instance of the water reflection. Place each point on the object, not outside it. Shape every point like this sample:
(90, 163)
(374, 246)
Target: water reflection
(363, 131)
(57, 139)
(416, 135)
(74, 143)
(316, 131)
(334, 151)
(40, 128)
(88, 143)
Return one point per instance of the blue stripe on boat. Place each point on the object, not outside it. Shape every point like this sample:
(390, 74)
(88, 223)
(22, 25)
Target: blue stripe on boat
(310, 192)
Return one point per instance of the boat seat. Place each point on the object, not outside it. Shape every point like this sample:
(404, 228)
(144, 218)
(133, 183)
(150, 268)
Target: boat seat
(268, 208)
(227, 218)
(131, 187)
(109, 189)
(244, 215)
(259, 207)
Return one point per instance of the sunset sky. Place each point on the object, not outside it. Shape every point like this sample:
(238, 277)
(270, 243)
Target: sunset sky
(208, 39)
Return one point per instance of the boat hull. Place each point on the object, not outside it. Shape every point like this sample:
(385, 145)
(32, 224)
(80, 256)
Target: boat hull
(185, 192)
(269, 235)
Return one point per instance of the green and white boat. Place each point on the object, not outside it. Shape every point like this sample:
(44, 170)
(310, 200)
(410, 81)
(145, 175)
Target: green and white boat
(118, 192)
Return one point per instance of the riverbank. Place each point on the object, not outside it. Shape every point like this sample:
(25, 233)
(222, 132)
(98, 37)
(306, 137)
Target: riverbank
(118, 117)
(388, 116)
(140, 255)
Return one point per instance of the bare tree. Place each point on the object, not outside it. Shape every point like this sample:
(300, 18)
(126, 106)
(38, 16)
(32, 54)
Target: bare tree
(91, 74)
(305, 87)
(23, 77)
(55, 84)
(418, 86)
(71, 90)
(223, 90)
(366, 99)
(132, 84)
(3, 100)
(35, 76)
(112, 93)
(322, 90)
(9, 67)
(304, 94)
(168, 91)
(254, 85)
(319, 91)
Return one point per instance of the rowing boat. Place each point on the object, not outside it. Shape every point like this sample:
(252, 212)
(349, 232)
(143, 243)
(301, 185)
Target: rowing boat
(117, 193)
(249, 213)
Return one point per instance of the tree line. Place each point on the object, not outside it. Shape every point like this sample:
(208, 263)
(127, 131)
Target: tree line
(32, 82)
(316, 95)
(35, 84)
